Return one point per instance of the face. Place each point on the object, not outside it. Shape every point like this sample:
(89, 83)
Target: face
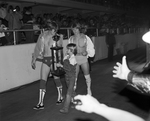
(53, 32)
(75, 30)
(68, 52)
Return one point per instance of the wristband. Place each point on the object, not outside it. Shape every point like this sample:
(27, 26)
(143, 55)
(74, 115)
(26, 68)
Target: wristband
(130, 76)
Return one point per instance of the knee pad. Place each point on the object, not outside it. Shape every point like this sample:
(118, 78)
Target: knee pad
(42, 84)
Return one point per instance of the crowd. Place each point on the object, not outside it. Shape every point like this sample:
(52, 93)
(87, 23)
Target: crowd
(16, 18)
(121, 4)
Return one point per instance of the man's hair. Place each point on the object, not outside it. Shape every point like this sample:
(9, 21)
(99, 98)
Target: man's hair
(72, 47)
(51, 25)
(81, 26)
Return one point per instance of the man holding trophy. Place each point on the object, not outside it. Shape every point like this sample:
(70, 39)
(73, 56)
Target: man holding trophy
(43, 51)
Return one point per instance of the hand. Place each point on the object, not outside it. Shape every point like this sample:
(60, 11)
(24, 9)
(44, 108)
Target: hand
(121, 71)
(58, 64)
(33, 65)
(84, 53)
(88, 103)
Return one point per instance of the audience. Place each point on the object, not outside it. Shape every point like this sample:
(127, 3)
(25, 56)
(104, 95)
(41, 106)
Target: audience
(25, 19)
(3, 35)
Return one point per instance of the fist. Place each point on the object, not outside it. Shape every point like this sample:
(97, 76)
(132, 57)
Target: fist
(84, 53)
(33, 65)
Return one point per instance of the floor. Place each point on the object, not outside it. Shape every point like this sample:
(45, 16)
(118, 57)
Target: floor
(17, 104)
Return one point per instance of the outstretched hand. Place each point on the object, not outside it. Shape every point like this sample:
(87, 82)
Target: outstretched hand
(88, 103)
(121, 71)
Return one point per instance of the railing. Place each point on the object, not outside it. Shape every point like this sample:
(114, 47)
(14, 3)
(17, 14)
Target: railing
(110, 4)
(67, 32)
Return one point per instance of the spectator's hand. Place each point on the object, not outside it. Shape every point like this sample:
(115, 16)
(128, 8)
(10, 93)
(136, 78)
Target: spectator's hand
(88, 103)
(121, 71)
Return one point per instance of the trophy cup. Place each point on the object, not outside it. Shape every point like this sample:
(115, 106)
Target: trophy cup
(57, 57)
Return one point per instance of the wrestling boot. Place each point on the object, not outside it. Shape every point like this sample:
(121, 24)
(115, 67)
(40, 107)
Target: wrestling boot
(65, 108)
(40, 105)
(60, 97)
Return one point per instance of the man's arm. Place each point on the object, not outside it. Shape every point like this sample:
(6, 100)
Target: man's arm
(60, 42)
(90, 104)
(114, 114)
(137, 80)
(38, 50)
(90, 47)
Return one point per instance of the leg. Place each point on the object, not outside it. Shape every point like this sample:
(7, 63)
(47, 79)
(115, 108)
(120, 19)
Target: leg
(10, 38)
(71, 82)
(74, 86)
(110, 53)
(18, 37)
(59, 89)
(44, 74)
(85, 69)
(77, 72)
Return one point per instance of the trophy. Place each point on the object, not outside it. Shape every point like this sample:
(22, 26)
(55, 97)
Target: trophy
(57, 57)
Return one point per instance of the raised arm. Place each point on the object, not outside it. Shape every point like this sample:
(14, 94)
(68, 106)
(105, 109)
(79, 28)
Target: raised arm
(137, 80)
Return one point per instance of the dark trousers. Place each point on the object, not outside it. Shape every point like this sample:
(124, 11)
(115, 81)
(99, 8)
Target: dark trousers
(110, 52)
(3, 41)
(90, 59)
(70, 81)
(29, 35)
(18, 37)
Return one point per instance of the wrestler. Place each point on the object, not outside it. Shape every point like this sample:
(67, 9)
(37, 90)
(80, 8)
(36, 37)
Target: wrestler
(85, 49)
(42, 51)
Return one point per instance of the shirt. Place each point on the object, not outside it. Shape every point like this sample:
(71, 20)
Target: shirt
(90, 46)
(72, 59)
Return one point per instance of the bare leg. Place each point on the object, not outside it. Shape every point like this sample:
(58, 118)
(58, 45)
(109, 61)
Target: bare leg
(77, 72)
(59, 89)
(44, 74)
(85, 69)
